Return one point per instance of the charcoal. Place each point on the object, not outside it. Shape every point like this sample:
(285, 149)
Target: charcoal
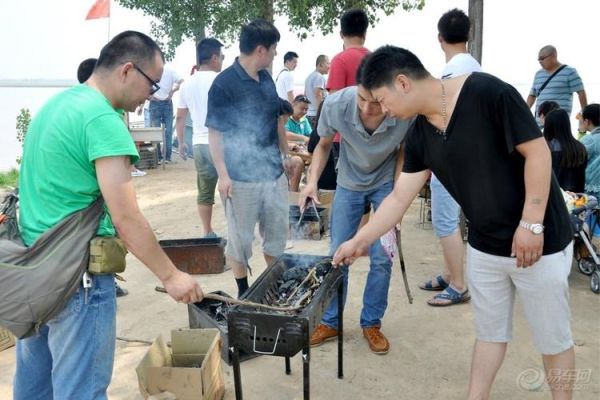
(323, 269)
(285, 287)
(296, 273)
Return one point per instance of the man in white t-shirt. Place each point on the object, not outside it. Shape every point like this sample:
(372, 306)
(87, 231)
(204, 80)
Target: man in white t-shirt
(453, 28)
(314, 88)
(194, 97)
(284, 81)
(161, 108)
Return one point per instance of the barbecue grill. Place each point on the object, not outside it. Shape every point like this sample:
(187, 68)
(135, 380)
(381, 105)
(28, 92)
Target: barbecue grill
(283, 334)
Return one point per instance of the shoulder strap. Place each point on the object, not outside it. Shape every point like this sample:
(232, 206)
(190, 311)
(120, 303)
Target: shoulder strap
(550, 78)
(285, 69)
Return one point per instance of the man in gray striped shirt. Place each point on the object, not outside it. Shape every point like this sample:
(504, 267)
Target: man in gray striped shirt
(562, 85)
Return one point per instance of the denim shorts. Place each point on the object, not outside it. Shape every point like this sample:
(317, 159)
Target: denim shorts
(445, 211)
(543, 289)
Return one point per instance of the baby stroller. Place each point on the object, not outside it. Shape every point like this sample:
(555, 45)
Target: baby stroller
(585, 252)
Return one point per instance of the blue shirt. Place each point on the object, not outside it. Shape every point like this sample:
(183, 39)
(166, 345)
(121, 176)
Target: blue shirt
(246, 112)
(560, 89)
(592, 172)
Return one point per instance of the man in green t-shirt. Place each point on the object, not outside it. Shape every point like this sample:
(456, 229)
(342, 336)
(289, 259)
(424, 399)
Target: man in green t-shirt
(77, 149)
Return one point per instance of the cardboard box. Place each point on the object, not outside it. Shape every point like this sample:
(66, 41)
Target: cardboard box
(7, 340)
(191, 369)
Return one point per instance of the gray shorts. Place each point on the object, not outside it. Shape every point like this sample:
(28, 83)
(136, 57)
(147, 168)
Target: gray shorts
(252, 202)
(543, 289)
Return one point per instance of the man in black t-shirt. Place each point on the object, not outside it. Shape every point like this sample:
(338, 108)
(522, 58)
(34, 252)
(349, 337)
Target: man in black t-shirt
(477, 135)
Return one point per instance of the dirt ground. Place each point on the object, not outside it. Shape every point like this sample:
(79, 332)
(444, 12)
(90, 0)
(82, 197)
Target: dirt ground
(430, 347)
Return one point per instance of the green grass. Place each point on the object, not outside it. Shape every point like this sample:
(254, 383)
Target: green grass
(9, 179)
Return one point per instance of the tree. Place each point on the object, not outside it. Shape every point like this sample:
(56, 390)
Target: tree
(23, 121)
(476, 16)
(178, 20)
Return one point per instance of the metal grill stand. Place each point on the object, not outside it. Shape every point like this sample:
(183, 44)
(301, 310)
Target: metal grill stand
(282, 335)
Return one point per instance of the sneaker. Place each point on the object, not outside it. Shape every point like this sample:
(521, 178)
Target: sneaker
(137, 173)
(289, 244)
(378, 343)
(211, 235)
(120, 291)
(322, 334)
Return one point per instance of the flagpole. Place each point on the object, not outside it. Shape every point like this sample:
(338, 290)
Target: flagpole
(108, 39)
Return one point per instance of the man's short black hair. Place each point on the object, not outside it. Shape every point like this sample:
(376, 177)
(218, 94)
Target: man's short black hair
(354, 23)
(285, 107)
(382, 67)
(206, 48)
(546, 107)
(289, 56)
(454, 26)
(360, 70)
(258, 33)
(128, 46)
(592, 112)
(85, 69)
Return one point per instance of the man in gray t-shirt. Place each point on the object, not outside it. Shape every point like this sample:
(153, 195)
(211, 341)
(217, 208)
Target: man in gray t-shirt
(369, 158)
(314, 87)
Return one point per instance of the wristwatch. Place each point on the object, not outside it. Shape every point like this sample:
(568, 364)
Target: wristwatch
(536, 229)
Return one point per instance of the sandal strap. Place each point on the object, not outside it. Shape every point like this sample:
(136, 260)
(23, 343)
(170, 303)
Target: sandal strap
(451, 294)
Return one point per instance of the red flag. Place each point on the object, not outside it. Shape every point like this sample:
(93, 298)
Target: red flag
(100, 9)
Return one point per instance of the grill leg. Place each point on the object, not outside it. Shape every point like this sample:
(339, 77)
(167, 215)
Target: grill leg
(237, 378)
(306, 371)
(340, 330)
(288, 368)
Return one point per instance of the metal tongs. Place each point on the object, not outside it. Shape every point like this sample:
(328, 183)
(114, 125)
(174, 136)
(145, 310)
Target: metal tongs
(314, 206)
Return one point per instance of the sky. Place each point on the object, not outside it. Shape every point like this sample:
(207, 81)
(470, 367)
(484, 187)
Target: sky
(47, 40)
(53, 37)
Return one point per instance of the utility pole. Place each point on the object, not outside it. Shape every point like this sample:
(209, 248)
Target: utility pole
(476, 40)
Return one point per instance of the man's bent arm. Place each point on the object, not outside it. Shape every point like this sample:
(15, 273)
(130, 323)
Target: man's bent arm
(582, 98)
(180, 129)
(281, 135)
(530, 100)
(119, 193)
(215, 144)
(527, 247)
(390, 212)
(538, 171)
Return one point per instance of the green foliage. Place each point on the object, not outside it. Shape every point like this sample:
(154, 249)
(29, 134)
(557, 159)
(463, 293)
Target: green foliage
(9, 179)
(177, 20)
(23, 120)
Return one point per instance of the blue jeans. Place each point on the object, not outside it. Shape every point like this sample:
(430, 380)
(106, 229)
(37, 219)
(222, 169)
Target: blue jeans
(445, 211)
(347, 211)
(72, 356)
(161, 112)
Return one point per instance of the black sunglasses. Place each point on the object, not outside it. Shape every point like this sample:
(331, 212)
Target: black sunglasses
(153, 84)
